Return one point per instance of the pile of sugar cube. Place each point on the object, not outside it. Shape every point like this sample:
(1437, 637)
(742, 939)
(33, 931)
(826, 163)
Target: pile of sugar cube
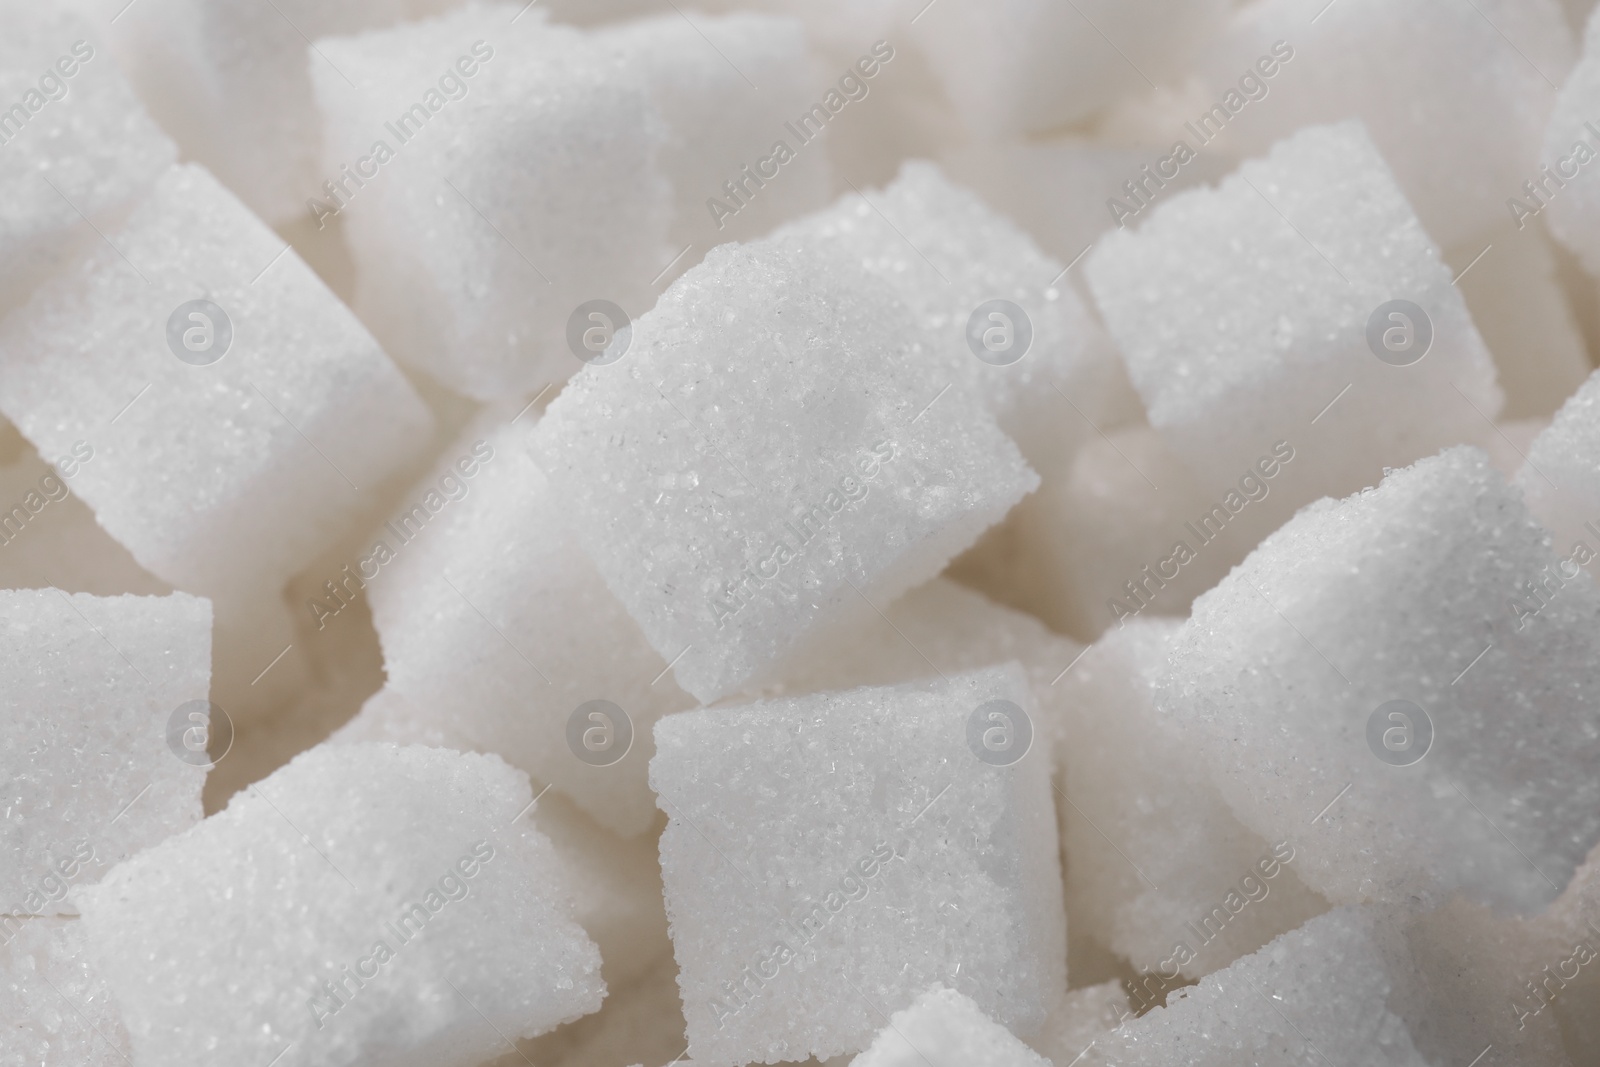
(893, 533)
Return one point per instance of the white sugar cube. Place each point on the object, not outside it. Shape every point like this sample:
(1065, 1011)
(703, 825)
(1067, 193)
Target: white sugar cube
(949, 258)
(943, 1028)
(740, 505)
(1569, 149)
(1386, 683)
(232, 80)
(240, 416)
(1478, 80)
(1158, 868)
(73, 139)
(58, 1011)
(503, 655)
(641, 1022)
(1280, 307)
(363, 902)
(1560, 478)
(1027, 66)
(99, 747)
(1314, 995)
(490, 177)
(726, 87)
(828, 852)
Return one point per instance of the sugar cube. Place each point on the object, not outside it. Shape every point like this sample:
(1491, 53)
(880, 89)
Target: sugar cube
(1393, 683)
(1157, 866)
(504, 655)
(740, 514)
(817, 874)
(950, 259)
(57, 1010)
(1298, 305)
(1561, 477)
(641, 1022)
(943, 1028)
(730, 90)
(483, 208)
(76, 143)
(103, 742)
(232, 80)
(1314, 995)
(239, 415)
(1478, 80)
(365, 902)
(1078, 1020)
(1029, 66)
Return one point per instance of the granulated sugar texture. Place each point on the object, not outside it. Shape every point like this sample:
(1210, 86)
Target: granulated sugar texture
(704, 533)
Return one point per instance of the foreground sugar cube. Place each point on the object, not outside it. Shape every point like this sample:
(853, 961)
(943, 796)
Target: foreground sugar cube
(497, 629)
(1384, 683)
(98, 752)
(1318, 991)
(948, 256)
(232, 80)
(239, 414)
(57, 1009)
(944, 1027)
(75, 139)
(741, 506)
(1158, 868)
(1028, 66)
(491, 177)
(1469, 135)
(362, 902)
(828, 852)
(1298, 302)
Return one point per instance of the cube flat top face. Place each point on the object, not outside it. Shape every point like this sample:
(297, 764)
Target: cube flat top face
(736, 513)
(229, 397)
(406, 868)
(829, 854)
(496, 626)
(1421, 654)
(90, 688)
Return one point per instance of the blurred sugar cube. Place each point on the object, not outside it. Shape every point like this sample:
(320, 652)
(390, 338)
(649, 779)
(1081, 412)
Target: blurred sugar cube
(365, 901)
(465, 156)
(58, 1010)
(943, 1028)
(767, 459)
(952, 260)
(726, 88)
(1385, 683)
(1560, 479)
(1300, 291)
(232, 80)
(1029, 66)
(815, 865)
(1314, 995)
(1479, 81)
(76, 143)
(1158, 868)
(1078, 1020)
(498, 628)
(103, 736)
